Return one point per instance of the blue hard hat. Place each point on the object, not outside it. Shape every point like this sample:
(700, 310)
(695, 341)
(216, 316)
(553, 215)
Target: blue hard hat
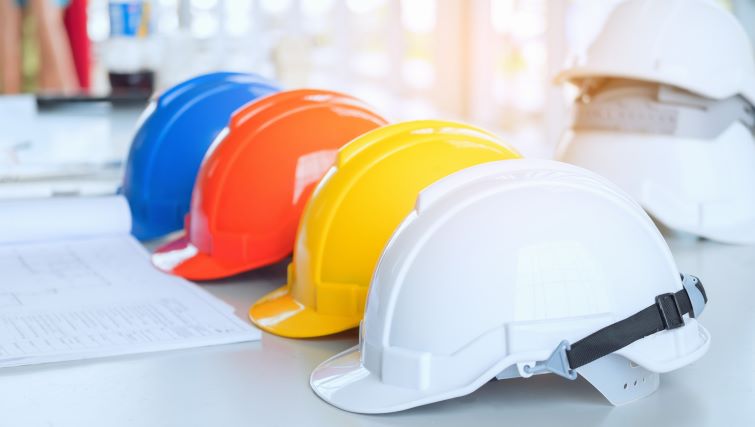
(172, 137)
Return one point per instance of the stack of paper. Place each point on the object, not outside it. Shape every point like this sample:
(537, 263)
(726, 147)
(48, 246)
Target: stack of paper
(73, 151)
(75, 285)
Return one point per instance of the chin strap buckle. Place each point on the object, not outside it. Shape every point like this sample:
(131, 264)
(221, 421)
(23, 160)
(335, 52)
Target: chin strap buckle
(557, 363)
(668, 307)
(696, 294)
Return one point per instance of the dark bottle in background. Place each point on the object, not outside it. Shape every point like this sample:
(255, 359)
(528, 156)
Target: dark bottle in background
(131, 48)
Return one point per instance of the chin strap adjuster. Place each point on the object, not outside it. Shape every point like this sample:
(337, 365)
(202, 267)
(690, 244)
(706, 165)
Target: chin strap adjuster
(666, 314)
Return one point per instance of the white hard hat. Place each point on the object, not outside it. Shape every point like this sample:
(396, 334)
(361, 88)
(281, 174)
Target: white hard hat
(688, 160)
(516, 268)
(695, 45)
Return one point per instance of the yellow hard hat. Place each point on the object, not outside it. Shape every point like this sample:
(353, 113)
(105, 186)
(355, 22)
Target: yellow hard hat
(352, 215)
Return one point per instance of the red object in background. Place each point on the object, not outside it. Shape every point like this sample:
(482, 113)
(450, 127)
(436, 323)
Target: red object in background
(75, 19)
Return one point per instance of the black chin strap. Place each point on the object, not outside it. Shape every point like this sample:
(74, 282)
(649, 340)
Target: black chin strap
(667, 313)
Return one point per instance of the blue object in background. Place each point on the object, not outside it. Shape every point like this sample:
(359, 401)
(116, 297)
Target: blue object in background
(171, 140)
(130, 18)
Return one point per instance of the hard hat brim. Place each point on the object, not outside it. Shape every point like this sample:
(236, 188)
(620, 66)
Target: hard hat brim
(279, 313)
(345, 383)
(592, 71)
(181, 258)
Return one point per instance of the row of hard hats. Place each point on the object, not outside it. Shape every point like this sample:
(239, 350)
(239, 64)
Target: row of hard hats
(472, 262)
(463, 291)
(668, 113)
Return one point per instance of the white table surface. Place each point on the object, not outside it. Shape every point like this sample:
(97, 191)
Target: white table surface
(265, 383)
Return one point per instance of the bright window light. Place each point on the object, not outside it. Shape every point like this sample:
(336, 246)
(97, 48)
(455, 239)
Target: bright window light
(418, 73)
(204, 4)
(275, 7)
(418, 16)
(363, 6)
(237, 16)
(204, 25)
(502, 15)
(316, 8)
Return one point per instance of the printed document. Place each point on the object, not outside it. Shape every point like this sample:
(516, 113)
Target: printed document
(75, 285)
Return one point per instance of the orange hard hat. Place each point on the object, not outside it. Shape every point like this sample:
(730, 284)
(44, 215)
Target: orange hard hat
(256, 178)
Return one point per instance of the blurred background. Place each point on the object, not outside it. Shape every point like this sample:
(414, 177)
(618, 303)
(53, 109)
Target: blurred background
(488, 62)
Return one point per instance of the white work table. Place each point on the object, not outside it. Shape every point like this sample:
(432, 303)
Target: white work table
(265, 383)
